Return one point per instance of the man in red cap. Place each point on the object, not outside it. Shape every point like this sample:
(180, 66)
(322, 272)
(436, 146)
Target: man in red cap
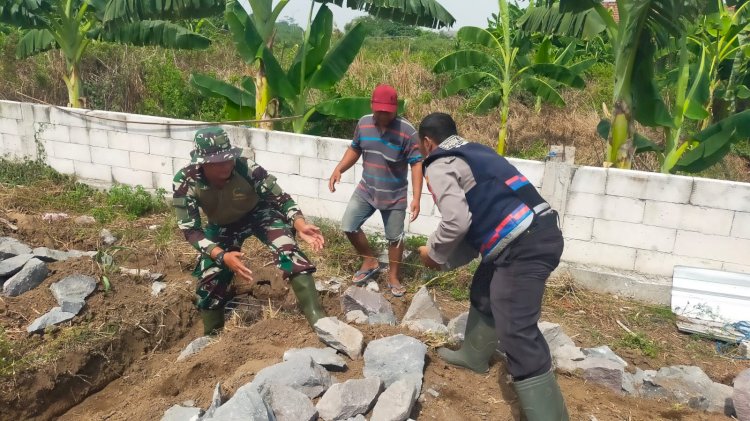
(389, 145)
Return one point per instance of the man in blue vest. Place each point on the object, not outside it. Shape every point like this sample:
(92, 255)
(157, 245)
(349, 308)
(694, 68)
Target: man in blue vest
(488, 208)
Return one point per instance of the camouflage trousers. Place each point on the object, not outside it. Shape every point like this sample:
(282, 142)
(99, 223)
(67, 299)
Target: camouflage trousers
(268, 225)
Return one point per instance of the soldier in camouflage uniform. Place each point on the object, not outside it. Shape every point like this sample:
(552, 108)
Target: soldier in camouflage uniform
(239, 199)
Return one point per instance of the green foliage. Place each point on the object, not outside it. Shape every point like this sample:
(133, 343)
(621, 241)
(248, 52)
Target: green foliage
(29, 172)
(537, 151)
(383, 28)
(9, 357)
(136, 201)
(640, 342)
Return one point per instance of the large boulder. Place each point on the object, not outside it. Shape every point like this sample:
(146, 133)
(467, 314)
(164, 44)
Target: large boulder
(339, 335)
(348, 399)
(394, 358)
(29, 277)
(301, 374)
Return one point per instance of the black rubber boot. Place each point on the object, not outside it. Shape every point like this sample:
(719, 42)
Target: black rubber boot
(213, 321)
(303, 286)
(480, 342)
(541, 399)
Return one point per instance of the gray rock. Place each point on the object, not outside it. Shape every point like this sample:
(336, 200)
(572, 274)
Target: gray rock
(457, 327)
(182, 413)
(49, 255)
(72, 306)
(216, 401)
(345, 400)
(567, 357)
(355, 298)
(301, 374)
(12, 265)
(554, 335)
(396, 403)
(633, 382)
(157, 287)
(53, 317)
(188, 403)
(359, 417)
(288, 404)
(73, 288)
(395, 357)
(741, 395)
(195, 347)
(602, 371)
(382, 319)
(744, 349)
(10, 247)
(340, 336)
(85, 220)
(422, 307)
(245, 405)
(30, 276)
(604, 352)
(356, 316)
(425, 326)
(327, 357)
(684, 384)
(372, 286)
(74, 254)
(106, 237)
(719, 399)
(331, 285)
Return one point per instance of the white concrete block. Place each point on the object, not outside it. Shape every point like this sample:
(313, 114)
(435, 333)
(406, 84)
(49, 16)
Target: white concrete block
(106, 120)
(589, 252)
(662, 264)
(741, 225)
(10, 109)
(240, 137)
(98, 138)
(70, 117)
(578, 227)
(688, 217)
(111, 157)
(332, 149)
(721, 194)
(589, 180)
(278, 163)
(11, 143)
(533, 170)
(358, 169)
(327, 209)
(169, 147)
(151, 163)
(147, 125)
(426, 205)
(34, 113)
(68, 151)
(87, 170)
(634, 235)
(714, 247)
(322, 169)
(63, 166)
(731, 267)
(179, 163)
(10, 126)
(184, 133)
(163, 181)
(424, 225)
(605, 207)
(79, 135)
(259, 139)
(128, 142)
(342, 194)
(647, 185)
(291, 144)
(294, 184)
(133, 177)
(52, 132)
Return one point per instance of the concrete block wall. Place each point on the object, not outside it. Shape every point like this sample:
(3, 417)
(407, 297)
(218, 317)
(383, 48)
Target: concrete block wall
(624, 220)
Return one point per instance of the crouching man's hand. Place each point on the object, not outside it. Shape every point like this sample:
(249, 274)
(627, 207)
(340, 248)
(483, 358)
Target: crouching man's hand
(426, 259)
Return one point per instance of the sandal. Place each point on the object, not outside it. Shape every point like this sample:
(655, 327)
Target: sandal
(361, 277)
(397, 291)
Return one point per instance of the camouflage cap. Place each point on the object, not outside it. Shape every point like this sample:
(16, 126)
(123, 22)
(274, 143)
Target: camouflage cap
(212, 145)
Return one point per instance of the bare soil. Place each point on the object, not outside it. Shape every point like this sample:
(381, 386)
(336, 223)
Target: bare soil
(117, 359)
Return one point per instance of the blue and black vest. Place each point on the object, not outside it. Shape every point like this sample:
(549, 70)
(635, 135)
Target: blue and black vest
(502, 203)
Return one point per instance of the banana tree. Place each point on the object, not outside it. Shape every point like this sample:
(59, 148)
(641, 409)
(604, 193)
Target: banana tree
(71, 26)
(494, 57)
(318, 65)
(264, 16)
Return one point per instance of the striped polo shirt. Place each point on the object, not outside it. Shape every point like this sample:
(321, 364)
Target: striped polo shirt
(385, 157)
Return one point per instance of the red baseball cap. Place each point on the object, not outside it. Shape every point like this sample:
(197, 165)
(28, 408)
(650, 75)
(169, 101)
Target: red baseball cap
(384, 98)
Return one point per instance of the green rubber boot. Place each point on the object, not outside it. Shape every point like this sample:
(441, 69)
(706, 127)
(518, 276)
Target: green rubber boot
(541, 399)
(480, 342)
(213, 321)
(303, 286)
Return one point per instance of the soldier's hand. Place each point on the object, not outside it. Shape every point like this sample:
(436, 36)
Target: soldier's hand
(335, 178)
(233, 261)
(312, 236)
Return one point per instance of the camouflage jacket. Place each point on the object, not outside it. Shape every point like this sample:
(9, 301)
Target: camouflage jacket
(190, 179)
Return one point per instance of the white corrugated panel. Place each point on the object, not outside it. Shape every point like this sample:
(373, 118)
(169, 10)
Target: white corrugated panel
(709, 294)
